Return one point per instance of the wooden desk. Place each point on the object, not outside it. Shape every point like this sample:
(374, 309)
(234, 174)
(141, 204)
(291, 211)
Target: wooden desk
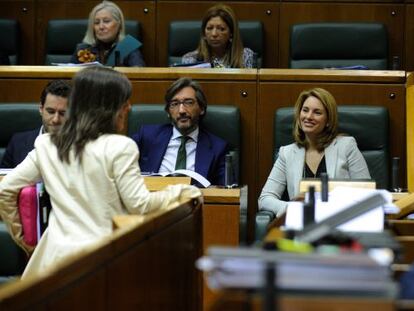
(221, 223)
(221, 213)
(238, 301)
(221, 210)
(146, 266)
(410, 131)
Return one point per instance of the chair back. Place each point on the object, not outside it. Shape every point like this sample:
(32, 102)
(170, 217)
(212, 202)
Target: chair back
(220, 120)
(10, 40)
(369, 125)
(184, 37)
(17, 117)
(333, 45)
(12, 259)
(64, 34)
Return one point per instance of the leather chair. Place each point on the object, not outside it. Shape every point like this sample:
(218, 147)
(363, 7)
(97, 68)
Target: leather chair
(227, 116)
(12, 259)
(64, 34)
(10, 40)
(327, 45)
(14, 117)
(184, 36)
(17, 117)
(369, 125)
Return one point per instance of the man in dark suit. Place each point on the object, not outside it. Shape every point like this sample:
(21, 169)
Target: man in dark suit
(161, 146)
(52, 108)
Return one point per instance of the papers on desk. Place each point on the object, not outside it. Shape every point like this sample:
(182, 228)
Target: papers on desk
(339, 199)
(77, 65)
(193, 65)
(244, 268)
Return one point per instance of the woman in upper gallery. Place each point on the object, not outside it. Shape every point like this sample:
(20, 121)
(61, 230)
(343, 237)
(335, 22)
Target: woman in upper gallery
(220, 42)
(105, 40)
(318, 148)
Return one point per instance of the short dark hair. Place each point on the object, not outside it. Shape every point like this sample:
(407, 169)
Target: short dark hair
(181, 83)
(55, 87)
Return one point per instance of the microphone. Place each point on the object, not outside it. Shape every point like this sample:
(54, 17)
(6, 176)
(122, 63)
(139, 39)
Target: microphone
(324, 187)
(394, 176)
(395, 63)
(309, 208)
(228, 171)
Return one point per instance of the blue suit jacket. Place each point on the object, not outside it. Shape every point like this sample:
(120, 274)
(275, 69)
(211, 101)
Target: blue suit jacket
(18, 147)
(152, 141)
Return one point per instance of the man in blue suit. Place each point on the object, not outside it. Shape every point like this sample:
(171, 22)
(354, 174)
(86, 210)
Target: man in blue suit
(159, 145)
(52, 108)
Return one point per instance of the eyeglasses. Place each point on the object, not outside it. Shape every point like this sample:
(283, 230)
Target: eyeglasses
(187, 102)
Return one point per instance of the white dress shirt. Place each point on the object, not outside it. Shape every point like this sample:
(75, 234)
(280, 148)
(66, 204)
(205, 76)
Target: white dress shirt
(170, 157)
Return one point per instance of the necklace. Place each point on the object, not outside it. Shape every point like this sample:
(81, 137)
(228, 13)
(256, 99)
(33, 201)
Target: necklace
(217, 63)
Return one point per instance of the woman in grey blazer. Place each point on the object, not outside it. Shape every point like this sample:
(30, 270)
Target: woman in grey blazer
(317, 149)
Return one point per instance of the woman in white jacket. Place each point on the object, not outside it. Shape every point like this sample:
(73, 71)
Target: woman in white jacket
(89, 170)
(317, 149)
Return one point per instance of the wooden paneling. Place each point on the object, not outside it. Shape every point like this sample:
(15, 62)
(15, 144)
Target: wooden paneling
(226, 233)
(409, 37)
(410, 132)
(24, 12)
(357, 89)
(266, 12)
(392, 15)
(142, 11)
(240, 300)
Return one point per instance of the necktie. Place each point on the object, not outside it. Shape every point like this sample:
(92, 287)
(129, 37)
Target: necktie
(182, 154)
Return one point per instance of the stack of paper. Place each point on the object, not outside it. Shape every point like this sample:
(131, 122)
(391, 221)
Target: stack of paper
(339, 199)
(335, 273)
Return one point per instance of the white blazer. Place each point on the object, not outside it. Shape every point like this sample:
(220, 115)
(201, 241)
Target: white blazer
(343, 161)
(85, 195)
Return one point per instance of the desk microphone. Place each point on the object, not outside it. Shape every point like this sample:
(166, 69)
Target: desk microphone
(395, 177)
(228, 171)
(324, 187)
(309, 208)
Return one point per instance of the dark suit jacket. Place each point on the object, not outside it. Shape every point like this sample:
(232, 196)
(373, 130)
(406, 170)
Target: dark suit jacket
(152, 141)
(19, 146)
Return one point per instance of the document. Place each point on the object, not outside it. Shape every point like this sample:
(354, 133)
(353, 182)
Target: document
(243, 267)
(77, 65)
(339, 199)
(194, 175)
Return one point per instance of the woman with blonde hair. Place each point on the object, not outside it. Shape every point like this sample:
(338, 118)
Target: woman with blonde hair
(317, 149)
(105, 40)
(220, 43)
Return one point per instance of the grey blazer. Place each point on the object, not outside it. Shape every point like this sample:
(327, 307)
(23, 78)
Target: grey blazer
(343, 161)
